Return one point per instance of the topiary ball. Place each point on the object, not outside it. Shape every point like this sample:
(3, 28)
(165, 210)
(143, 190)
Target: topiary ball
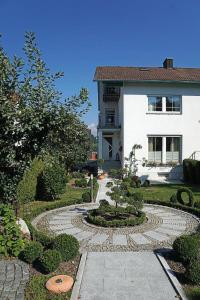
(31, 252)
(67, 245)
(193, 272)
(50, 260)
(187, 248)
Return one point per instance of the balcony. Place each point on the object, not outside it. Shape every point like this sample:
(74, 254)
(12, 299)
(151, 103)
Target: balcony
(109, 121)
(111, 93)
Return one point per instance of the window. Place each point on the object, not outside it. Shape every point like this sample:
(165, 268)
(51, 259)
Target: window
(173, 103)
(164, 104)
(155, 149)
(155, 103)
(172, 149)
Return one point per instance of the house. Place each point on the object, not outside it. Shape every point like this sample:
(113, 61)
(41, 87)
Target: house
(155, 107)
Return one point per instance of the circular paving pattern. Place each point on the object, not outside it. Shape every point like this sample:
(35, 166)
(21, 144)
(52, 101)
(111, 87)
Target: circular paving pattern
(164, 224)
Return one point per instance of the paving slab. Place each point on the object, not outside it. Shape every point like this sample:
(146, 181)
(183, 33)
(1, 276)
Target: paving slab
(98, 239)
(156, 236)
(139, 239)
(131, 276)
(119, 239)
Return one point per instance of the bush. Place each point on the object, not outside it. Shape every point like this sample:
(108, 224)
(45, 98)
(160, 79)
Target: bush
(125, 186)
(86, 197)
(188, 192)
(31, 252)
(26, 189)
(41, 237)
(8, 185)
(193, 272)
(81, 182)
(187, 248)
(173, 198)
(50, 260)
(51, 182)
(138, 196)
(109, 184)
(191, 171)
(67, 245)
(104, 202)
(77, 175)
(11, 241)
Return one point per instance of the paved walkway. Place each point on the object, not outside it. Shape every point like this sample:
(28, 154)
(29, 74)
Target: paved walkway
(14, 274)
(125, 276)
(163, 225)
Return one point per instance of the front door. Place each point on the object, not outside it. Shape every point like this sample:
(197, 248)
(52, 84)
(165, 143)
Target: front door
(107, 148)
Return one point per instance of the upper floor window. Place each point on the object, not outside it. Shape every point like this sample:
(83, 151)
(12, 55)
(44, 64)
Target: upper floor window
(173, 103)
(155, 103)
(164, 104)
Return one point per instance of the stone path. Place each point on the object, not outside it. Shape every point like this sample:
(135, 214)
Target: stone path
(14, 274)
(162, 227)
(125, 276)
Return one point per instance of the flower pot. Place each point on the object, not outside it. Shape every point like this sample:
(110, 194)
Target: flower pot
(102, 176)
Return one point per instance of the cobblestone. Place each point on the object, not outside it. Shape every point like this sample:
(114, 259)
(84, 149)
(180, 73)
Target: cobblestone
(14, 274)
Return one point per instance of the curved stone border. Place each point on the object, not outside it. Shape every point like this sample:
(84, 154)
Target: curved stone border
(163, 226)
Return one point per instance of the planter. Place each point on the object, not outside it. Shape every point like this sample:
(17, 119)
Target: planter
(59, 284)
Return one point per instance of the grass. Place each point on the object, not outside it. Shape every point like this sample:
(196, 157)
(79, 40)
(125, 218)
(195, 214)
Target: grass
(163, 192)
(193, 293)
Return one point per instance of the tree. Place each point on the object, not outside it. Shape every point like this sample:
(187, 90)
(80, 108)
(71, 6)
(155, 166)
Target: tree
(34, 117)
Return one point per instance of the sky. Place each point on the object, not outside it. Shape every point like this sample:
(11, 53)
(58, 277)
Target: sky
(75, 36)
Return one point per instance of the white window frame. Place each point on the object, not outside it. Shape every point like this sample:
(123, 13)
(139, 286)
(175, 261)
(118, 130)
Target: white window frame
(164, 111)
(164, 152)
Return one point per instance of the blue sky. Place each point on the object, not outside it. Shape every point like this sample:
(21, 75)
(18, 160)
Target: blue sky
(75, 36)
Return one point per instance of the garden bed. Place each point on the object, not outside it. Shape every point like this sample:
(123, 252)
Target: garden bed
(192, 291)
(115, 217)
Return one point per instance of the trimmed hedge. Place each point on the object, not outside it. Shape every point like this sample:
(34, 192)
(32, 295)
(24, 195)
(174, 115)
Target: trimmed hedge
(191, 171)
(100, 221)
(31, 252)
(187, 248)
(188, 192)
(50, 260)
(67, 245)
(26, 189)
(193, 272)
(51, 182)
(81, 182)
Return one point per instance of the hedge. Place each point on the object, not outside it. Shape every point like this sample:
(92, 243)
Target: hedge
(191, 171)
(26, 189)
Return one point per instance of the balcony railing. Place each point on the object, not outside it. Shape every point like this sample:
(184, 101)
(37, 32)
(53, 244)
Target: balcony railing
(104, 123)
(111, 94)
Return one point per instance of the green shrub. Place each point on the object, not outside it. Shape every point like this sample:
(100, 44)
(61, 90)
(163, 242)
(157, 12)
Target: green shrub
(11, 240)
(138, 196)
(86, 197)
(26, 189)
(50, 260)
(41, 237)
(188, 192)
(125, 186)
(81, 182)
(51, 182)
(8, 185)
(67, 245)
(193, 272)
(173, 198)
(191, 171)
(103, 202)
(31, 252)
(187, 248)
(109, 184)
(77, 175)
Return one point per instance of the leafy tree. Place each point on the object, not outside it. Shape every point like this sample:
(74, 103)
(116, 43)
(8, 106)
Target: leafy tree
(34, 117)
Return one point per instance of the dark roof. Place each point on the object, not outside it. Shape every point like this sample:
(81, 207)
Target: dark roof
(147, 74)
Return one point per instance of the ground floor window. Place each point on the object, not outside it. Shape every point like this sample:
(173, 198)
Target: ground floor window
(164, 149)
(155, 149)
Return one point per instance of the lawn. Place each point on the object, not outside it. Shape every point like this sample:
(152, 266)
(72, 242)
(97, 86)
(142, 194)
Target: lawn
(193, 293)
(163, 192)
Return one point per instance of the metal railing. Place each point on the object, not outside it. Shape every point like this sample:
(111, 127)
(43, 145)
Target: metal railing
(195, 155)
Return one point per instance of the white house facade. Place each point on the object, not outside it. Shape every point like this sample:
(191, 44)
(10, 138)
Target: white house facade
(157, 108)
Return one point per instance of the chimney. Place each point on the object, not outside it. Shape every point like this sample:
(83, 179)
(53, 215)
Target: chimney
(168, 63)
